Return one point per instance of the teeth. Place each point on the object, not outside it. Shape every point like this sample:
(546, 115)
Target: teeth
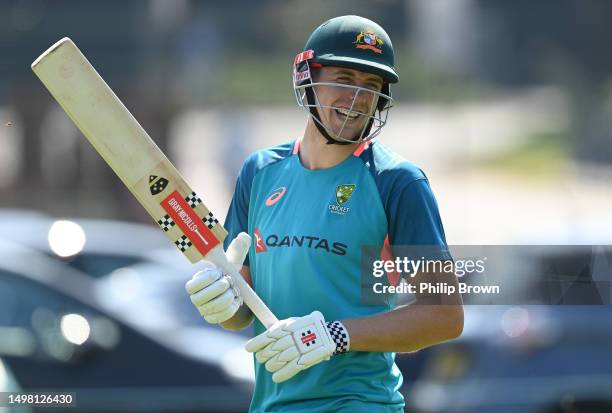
(348, 113)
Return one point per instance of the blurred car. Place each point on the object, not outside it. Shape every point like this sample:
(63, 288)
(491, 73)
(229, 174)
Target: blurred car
(94, 246)
(521, 359)
(8, 384)
(59, 333)
(140, 277)
(154, 294)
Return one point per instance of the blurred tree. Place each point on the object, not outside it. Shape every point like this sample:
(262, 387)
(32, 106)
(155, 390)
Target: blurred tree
(126, 44)
(555, 41)
(159, 57)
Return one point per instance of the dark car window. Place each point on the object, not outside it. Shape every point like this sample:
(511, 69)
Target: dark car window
(98, 265)
(20, 297)
(36, 309)
(133, 360)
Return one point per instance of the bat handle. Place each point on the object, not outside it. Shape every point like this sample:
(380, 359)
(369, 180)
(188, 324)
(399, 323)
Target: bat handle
(251, 299)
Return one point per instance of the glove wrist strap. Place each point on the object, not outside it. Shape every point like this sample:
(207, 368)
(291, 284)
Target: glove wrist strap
(340, 336)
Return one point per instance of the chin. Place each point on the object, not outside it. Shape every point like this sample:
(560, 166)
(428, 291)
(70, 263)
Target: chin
(348, 133)
(351, 137)
(352, 134)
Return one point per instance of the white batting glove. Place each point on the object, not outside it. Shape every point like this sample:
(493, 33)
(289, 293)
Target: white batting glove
(213, 292)
(295, 344)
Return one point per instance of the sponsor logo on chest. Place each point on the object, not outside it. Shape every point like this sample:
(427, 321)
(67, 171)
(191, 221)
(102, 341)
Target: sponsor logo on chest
(263, 243)
(276, 196)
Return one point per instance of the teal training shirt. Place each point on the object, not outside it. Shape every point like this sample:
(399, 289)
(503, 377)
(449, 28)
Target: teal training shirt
(308, 227)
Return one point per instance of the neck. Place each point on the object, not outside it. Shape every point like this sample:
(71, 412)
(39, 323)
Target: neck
(315, 153)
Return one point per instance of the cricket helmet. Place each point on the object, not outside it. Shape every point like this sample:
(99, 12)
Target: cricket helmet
(351, 42)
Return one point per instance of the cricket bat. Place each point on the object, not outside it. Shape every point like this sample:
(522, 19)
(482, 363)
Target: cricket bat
(138, 162)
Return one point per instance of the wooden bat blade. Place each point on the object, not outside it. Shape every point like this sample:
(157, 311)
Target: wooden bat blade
(128, 150)
(138, 162)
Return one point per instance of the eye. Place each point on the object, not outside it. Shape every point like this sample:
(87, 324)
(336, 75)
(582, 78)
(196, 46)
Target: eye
(344, 79)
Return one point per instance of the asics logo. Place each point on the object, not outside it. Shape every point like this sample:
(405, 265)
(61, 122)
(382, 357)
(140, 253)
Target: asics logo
(276, 196)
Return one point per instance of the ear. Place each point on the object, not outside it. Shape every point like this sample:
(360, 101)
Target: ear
(382, 101)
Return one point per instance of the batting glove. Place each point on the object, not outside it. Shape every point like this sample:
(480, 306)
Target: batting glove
(213, 292)
(295, 344)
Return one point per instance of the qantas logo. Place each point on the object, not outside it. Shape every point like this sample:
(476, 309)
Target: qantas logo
(297, 241)
(260, 246)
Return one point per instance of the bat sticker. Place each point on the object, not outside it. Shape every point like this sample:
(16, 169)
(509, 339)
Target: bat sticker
(191, 225)
(193, 200)
(210, 220)
(166, 223)
(157, 185)
(183, 243)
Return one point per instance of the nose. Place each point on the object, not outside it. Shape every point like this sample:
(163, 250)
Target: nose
(361, 98)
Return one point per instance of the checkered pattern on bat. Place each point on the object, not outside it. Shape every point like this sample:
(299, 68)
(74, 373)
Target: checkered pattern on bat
(210, 220)
(166, 223)
(193, 200)
(183, 243)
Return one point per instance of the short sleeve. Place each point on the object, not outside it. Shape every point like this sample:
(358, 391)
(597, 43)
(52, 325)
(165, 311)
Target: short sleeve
(414, 218)
(236, 220)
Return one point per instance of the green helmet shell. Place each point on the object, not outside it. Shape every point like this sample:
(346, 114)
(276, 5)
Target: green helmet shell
(356, 43)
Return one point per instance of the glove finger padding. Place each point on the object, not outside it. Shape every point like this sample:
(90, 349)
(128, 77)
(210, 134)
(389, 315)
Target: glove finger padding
(291, 369)
(274, 348)
(316, 356)
(276, 332)
(300, 363)
(203, 279)
(223, 315)
(257, 343)
(219, 303)
(212, 291)
(281, 359)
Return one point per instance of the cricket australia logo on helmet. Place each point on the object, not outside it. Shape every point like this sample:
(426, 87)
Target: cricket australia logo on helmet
(370, 41)
(350, 42)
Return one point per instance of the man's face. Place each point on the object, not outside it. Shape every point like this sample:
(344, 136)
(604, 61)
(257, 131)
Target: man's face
(342, 101)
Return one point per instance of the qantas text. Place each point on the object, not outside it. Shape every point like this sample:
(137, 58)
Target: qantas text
(306, 241)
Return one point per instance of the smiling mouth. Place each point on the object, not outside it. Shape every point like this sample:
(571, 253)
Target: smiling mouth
(352, 115)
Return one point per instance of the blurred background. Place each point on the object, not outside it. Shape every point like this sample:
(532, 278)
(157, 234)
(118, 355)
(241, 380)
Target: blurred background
(506, 105)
